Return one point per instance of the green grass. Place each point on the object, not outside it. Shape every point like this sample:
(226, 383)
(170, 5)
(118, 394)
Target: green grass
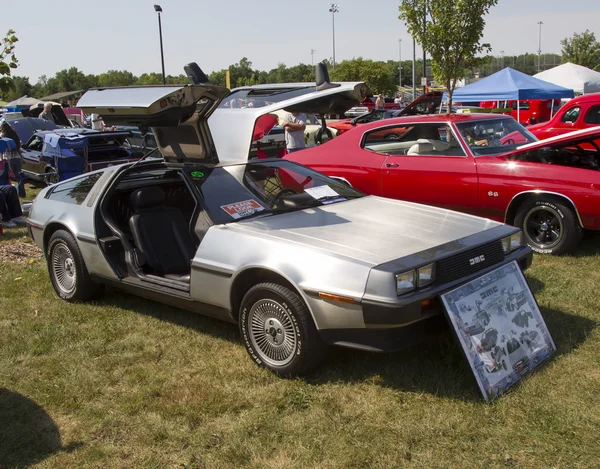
(128, 383)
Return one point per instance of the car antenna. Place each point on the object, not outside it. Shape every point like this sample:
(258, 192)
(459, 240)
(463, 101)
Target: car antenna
(322, 77)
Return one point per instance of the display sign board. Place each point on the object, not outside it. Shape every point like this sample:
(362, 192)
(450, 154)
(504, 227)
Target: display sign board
(500, 328)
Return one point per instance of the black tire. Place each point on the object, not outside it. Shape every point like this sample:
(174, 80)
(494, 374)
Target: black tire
(290, 344)
(68, 273)
(321, 132)
(549, 226)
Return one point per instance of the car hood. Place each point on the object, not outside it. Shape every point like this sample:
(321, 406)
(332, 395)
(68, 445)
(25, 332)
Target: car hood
(233, 129)
(571, 138)
(178, 116)
(371, 229)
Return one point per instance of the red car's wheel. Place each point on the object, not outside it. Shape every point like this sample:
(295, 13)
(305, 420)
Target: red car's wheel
(549, 226)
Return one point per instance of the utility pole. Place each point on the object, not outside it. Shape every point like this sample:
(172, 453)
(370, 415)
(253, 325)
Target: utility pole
(414, 69)
(312, 56)
(424, 54)
(400, 56)
(540, 46)
(501, 59)
(333, 9)
(158, 11)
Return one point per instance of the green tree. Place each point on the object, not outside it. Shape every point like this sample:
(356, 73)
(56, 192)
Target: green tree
(8, 61)
(21, 87)
(450, 31)
(377, 75)
(582, 49)
(116, 78)
(149, 79)
(70, 80)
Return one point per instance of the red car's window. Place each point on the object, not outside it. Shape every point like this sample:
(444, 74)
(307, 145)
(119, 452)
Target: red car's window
(414, 140)
(571, 115)
(593, 116)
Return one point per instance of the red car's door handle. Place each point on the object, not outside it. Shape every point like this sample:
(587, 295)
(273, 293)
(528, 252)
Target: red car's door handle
(391, 165)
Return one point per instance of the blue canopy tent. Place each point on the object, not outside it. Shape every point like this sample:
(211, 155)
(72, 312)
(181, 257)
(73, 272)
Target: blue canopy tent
(509, 85)
(69, 152)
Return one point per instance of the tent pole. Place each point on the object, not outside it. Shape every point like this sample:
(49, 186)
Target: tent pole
(518, 110)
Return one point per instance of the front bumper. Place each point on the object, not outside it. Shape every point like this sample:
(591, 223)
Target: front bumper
(407, 321)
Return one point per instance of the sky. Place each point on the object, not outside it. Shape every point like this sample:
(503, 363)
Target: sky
(96, 36)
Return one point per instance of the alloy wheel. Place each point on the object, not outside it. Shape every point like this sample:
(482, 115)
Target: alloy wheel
(543, 227)
(63, 268)
(273, 332)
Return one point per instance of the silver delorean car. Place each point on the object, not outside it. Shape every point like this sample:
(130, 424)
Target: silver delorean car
(297, 259)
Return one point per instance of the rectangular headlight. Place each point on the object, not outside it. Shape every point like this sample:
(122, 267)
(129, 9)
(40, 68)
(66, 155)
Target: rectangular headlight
(506, 244)
(512, 242)
(517, 241)
(405, 282)
(426, 274)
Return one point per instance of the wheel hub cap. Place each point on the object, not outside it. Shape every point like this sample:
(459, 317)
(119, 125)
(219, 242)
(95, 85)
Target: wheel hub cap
(272, 332)
(543, 227)
(63, 268)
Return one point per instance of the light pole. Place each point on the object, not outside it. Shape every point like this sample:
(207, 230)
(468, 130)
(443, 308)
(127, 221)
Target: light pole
(333, 9)
(540, 46)
(400, 57)
(501, 59)
(414, 69)
(312, 56)
(158, 10)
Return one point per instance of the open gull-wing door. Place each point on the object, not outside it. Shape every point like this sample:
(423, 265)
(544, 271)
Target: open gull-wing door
(178, 116)
(234, 124)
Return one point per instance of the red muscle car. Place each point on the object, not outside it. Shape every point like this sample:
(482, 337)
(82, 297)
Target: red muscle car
(485, 165)
(579, 113)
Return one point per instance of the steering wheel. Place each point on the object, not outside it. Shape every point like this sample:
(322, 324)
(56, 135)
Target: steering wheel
(281, 194)
(509, 141)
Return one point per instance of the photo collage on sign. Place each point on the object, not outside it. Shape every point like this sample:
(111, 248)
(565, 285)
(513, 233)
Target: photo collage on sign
(500, 328)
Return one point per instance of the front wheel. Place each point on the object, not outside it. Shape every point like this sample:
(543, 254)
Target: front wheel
(68, 273)
(278, 330)
(550, 227)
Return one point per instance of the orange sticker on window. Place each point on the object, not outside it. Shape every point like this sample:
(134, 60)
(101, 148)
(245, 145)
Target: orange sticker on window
(242, 209)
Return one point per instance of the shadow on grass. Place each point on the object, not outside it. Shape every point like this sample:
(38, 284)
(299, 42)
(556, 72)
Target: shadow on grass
(27, 434)
(590, 245)
(12, 234)
(436, 366)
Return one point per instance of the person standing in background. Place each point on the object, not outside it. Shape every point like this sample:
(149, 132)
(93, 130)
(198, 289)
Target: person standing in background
(14, 157)
(379, 103)
(294, 124)
(47, 113)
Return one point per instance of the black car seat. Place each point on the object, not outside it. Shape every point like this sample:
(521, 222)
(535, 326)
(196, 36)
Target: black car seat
(161, 235)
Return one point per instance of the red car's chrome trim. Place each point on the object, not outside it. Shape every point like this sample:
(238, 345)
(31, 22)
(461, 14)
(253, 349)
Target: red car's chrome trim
(539, 192)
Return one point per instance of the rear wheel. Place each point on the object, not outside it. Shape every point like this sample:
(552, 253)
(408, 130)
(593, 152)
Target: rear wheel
(68, 273)
(278, 330)
(549, 226)
(323, 135)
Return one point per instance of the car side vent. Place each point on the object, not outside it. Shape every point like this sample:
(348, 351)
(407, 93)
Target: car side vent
(195, 74)
(322, 77)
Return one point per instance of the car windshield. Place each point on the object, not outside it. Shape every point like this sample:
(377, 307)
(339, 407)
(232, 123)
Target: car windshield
(494, 136)
(263, 188)
(259, 97)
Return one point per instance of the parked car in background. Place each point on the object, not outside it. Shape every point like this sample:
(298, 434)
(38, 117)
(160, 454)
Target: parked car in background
(297, 259)
(342, 126)
(428, 103)
(582, 112)
(527, 112)
(480, 164)
(27, 126)
(102, 149)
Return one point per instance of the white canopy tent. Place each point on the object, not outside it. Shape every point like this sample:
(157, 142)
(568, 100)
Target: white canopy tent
(581, 79)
